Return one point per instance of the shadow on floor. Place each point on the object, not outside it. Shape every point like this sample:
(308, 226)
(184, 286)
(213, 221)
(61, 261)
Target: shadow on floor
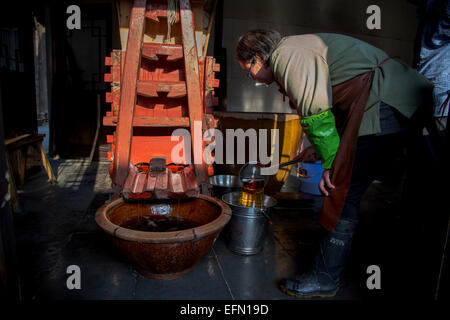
(56, 229)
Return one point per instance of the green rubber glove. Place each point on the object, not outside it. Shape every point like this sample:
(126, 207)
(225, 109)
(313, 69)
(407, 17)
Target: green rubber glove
(322, 133)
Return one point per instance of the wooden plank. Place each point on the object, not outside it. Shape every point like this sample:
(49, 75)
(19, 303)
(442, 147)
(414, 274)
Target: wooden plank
(197, 11)
(150, 121)
(108, 61)
(107, 77)
(162, 70)
(123, 14)
(46, 163)
(23, 140)
(108, 97)
(11, 141)
(194, 93)
(155, 10)
(169, 52)
(152, 88)
(208, 30)
(23, 154)
(128, 94)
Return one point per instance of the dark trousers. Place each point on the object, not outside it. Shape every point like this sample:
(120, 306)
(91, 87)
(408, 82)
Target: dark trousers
(408, 250)
(374, 157)
(377, 158)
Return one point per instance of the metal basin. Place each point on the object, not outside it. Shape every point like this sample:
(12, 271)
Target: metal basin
(247, 229)
(168, 254)
(223, 184)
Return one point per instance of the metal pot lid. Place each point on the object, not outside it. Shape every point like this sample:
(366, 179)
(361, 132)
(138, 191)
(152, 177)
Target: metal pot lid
(226, 181)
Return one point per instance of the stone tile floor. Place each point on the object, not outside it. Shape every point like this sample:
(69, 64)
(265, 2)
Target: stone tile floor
(56, 229)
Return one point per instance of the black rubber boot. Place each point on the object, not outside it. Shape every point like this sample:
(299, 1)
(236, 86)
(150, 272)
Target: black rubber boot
(323, 279)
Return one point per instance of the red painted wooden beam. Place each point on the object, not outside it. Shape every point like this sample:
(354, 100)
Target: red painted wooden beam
(108, 77)
(153, 51)
(154, 88)
(155, 10)
(195, 95)
(128, 94)
(109, 97)
(108, 61)
(150, 121)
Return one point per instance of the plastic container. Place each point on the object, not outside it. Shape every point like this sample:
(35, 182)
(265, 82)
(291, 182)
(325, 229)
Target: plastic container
(314, 172)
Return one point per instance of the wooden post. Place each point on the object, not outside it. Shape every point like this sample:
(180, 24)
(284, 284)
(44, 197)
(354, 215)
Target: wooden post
(193, 87)
(46, 163)
(128, 94)
(208, 31)
(23, 154)
(123, 8)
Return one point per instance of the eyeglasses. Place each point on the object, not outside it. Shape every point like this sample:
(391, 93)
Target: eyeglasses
(252, 63)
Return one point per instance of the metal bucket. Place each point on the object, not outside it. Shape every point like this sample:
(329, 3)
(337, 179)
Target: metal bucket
(222, 184)
(247, 229)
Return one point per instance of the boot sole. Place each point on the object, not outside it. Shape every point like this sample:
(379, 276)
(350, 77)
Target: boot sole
(319, 295)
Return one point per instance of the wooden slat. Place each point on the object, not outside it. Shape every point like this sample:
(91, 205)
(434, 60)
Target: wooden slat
(11, 141)
(108, 61)
(23, 140)
(155, 10)
(151, 121)
(128, 93)
(169, 52)
(108, 77)
(46, 163)
(151, 88)
(197, 12)
(209, 74)
(193, 88)
(23, 161)
(108, 97)
(208, 30)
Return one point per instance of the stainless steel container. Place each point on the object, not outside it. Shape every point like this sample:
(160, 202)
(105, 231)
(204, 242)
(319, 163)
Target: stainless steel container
(247, 229)
(222, 184)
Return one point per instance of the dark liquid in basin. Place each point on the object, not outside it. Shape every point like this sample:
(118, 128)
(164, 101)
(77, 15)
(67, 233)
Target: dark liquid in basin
(158, 223)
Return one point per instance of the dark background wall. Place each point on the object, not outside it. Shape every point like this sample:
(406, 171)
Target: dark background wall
(17, 70)
(79, 57)
(60, 81)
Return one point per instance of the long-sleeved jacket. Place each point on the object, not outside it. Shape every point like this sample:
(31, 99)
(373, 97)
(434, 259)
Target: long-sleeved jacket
(307, 66)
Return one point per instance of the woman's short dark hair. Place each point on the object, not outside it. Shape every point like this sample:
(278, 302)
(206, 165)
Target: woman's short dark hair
(258, 42)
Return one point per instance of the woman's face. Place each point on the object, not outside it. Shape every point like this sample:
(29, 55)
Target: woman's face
(258, 71)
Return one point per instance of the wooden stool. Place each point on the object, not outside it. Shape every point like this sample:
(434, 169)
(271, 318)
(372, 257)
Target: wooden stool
(21, 144)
